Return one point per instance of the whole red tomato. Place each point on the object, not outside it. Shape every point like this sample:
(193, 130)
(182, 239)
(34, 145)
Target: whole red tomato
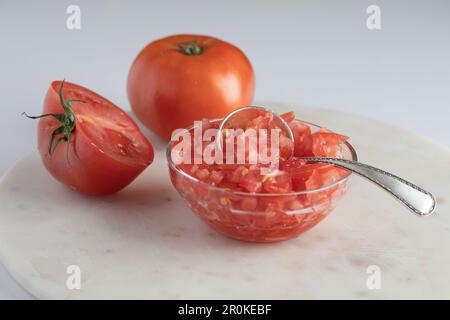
(182, 78)
(88, 143)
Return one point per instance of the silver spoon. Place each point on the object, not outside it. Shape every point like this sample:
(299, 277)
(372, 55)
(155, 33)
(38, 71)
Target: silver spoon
(418, 200)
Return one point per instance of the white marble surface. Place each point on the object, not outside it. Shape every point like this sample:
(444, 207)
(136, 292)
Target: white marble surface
(145, 243)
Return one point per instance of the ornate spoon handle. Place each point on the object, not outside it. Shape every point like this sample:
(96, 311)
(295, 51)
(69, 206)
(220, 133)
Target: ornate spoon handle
(419, 201)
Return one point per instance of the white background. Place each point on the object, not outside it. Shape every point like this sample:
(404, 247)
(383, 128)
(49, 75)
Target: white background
(315, 53)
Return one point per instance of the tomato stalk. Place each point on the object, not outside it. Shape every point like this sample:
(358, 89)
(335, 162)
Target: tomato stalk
(193, 48)
(67, 120)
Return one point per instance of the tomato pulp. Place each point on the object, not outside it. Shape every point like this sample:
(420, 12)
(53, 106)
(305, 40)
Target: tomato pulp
(105, 151)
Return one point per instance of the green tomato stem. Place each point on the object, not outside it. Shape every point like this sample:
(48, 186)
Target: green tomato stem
(191, 49)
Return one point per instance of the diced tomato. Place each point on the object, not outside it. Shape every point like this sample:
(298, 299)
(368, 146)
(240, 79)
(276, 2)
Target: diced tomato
(302, 139)
(288, 116)
(263, 217)
(250, 183)
(249, 204)
(293, 164)
(327, 144)
(237, 174)
(202, 174)
(296, 205)
(314, 181)
(279, 182)
(286, 147)
(217, 176)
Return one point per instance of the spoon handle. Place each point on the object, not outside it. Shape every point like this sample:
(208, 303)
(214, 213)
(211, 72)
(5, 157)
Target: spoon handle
(419, 201)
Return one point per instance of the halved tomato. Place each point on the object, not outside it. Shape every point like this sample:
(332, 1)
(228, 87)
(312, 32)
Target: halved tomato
(88, 143)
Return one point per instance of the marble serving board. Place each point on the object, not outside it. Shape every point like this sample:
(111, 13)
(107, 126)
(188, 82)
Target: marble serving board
(144, 242)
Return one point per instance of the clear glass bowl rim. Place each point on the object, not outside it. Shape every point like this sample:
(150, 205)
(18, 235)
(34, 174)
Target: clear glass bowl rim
(172, 165)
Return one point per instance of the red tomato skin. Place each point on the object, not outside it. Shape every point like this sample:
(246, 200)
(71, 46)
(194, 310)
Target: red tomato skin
(169, 90)
(84, 167)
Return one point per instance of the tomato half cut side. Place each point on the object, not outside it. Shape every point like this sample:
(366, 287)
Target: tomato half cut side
(106, 149)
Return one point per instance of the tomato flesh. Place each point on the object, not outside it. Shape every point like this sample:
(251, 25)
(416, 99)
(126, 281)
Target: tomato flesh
(106, 151)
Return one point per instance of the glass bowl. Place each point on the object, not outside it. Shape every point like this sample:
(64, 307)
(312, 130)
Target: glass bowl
(259, 217)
